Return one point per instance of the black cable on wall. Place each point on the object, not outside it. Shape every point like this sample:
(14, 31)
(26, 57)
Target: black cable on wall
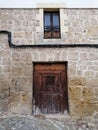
(44, 45)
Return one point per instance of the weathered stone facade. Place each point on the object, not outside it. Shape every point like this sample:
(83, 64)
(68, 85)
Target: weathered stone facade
(16, 64)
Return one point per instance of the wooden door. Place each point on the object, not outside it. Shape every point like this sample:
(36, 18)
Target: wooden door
(50, 88)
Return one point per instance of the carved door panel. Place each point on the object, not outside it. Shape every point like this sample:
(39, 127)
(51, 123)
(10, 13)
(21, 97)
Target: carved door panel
(50, 88)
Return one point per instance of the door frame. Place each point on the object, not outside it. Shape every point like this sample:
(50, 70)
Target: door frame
(46, 62)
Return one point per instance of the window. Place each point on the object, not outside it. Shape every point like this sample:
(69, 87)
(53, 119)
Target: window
(51, 25)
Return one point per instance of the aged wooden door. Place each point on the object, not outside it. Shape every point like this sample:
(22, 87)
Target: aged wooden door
(50, 88)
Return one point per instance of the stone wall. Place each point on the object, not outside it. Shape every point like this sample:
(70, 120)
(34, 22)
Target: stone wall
(80, 26)
(16, 64)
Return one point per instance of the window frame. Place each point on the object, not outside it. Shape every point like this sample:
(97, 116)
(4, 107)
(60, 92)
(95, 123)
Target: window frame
(51, 24)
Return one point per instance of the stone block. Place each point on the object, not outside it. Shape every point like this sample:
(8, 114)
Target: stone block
(72, 70)
(26, 97)
(28, 70)
(73, 56)
(93, 67)
(5, 54)
(4, 88)
(5, 94)
(92, 30)
(20, 108)
(26, 56)
(78, 81)
(96, 74)
(75, 93)
(83, 56)
(95, 105)
(96, 115)
(93, 82)
(81, 108)
(87, 93)
(6, 61)
(3, 39)
(6, 76)
(17, 71)
(6, 68)
(15, 56)
(92, 56)
(18, 63)
(96, 92)
(1, 69)
(4, 105)
(14, 97)
(43, 55)
(88, 73)
(19, 84)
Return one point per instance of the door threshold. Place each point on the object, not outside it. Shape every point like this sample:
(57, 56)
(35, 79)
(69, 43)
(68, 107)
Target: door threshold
(58, 116)
(53, 116)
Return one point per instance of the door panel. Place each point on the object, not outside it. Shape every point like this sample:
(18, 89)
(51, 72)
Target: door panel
(50, 88)
(45, 104)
